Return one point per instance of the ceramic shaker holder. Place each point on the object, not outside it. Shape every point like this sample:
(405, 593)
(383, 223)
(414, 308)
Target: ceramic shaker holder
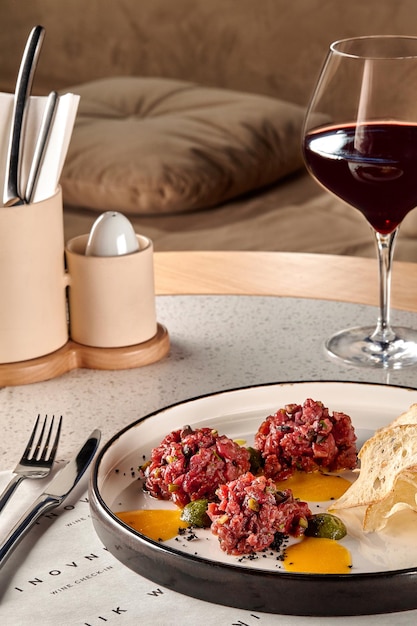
(111, 299)
(33, 318)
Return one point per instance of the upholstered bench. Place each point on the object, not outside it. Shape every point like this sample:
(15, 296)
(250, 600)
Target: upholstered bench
(153, 145)
(196, 167)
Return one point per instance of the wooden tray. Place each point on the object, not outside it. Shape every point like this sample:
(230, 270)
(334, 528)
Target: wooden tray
(74, 355)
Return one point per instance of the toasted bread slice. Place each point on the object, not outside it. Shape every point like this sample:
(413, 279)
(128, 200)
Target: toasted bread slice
(402, 495)
(383, 457)
(408, 417)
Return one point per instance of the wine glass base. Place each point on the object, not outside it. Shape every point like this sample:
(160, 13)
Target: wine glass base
(356, 346)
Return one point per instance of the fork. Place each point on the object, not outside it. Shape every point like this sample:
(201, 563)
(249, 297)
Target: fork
(37, 458)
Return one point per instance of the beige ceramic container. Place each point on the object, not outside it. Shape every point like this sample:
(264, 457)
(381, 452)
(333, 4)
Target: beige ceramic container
(33, 319)
(111, 299)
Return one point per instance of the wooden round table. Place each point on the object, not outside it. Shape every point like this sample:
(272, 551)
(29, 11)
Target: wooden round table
(326, 277)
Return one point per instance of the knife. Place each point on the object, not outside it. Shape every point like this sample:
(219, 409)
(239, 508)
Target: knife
(55, 493)
(12, 195)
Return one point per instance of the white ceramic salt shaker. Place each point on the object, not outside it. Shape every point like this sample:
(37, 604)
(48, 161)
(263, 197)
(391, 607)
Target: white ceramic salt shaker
(112, 234)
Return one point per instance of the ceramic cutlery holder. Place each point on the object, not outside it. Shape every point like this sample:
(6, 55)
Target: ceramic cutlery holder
(33, 319)
(112, 298)
(61, 309)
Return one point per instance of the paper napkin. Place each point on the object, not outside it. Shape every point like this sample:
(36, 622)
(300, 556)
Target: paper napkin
(57, 147)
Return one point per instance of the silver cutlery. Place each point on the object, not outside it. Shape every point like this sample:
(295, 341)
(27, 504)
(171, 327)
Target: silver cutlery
(37, 458)
(55, 493)
(41, 145)
(12, 195)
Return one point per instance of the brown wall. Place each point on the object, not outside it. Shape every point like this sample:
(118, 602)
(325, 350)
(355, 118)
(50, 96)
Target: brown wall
(272, 47)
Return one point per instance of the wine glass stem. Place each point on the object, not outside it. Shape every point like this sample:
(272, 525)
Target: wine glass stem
(385, 251)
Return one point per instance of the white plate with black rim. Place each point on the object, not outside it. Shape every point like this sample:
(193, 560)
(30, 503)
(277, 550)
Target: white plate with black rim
(383, 577)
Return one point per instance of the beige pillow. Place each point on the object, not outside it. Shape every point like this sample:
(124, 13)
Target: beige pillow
(151, 145)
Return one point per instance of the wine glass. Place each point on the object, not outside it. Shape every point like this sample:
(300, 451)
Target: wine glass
(360, 143)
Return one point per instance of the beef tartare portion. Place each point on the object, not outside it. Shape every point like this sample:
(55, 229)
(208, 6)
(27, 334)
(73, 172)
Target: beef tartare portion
(250, 512)
(307, 438)
(190, 465)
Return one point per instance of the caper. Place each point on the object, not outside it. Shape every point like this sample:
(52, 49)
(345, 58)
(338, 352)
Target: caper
(195, 513)
(255, 460)
(186, 430)
(325, 525)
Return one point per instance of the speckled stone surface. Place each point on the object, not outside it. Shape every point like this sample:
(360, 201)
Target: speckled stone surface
(217, 343)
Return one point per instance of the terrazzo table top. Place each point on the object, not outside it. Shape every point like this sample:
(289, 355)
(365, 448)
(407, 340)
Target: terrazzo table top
(217, 343)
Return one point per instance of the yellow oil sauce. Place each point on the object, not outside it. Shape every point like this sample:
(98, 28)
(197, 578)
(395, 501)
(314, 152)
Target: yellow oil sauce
(157, 524)
(315, 486)
(317, 556)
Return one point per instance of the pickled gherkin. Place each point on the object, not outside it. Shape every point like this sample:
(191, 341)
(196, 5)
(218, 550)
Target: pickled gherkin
(195, 513)
(325, 525)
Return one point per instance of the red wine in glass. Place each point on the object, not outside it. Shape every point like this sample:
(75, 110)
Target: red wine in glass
(377, 177)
